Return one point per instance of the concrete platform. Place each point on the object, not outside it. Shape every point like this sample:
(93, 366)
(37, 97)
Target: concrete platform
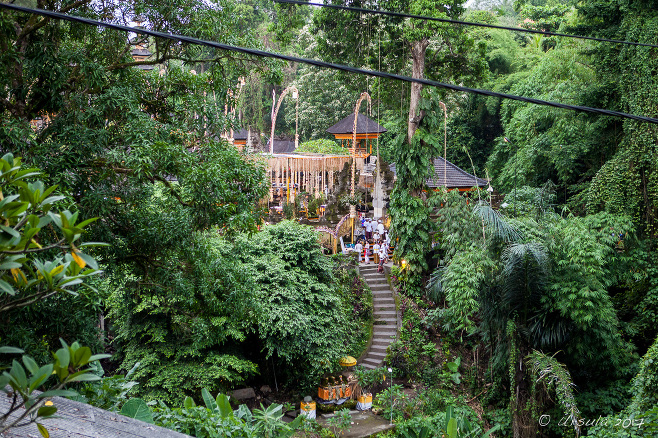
(364, 424)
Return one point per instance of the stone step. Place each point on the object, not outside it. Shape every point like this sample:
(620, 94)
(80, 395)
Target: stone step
(388, 321)
(372, 361)
(385, 336)
(383, 292)
(377, 283)
(384, 331)
(380, 299)
(381, 343)
(368, 366)
(379, 348)
(384, 306)
(378, 287)
(372, 273)
(385, 313)
(375, 354)
(367, 268)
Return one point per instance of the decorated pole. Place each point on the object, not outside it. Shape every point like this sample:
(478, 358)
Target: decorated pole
(364, 95)
(295, 95)
(445, 144)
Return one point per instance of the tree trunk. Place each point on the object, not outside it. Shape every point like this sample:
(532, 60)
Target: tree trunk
(418, 49)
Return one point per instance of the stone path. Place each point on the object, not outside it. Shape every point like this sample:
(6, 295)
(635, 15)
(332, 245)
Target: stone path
(385, 316)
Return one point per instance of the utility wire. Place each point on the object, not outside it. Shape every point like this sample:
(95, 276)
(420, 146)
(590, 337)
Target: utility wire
(465, 23)
(262, 53)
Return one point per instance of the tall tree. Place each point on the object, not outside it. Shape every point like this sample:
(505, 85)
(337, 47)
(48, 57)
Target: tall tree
(119, 138)
(426, 49)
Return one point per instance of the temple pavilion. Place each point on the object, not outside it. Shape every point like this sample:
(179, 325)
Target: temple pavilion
(367, 130)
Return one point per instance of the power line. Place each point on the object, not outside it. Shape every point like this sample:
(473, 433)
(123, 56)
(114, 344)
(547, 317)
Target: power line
(262, 53)
(465, 23)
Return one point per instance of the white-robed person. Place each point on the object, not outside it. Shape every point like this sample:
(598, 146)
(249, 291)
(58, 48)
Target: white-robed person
(368, 227)
(383, 255)
(380, 228)
(375, 251)
(359, 249)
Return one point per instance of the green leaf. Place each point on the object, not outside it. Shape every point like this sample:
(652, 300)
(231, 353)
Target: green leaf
(96, 357)
(58, 393)
(11, 350)
(83, 376)
(30, 365)
(63, 357)
(46, 411)
(492, 430)
(86, 222)
(18, 373)
(81, 357)
(93, 244)
(91, 262)
(7, 288)
(209, 401)
(52, 200)
(452, 428)
(136, 408)
(10, 265)
(11, 231)
(189, 403)
(41, 376)
(225, 409)
(43, 431)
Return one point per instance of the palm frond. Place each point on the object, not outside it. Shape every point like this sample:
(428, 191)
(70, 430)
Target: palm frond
(434, 287)
(549, 330)
(524, 278)
(555, 374)
(496, 223)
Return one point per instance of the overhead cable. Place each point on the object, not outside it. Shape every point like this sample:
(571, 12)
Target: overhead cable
(465, 23)
(262, 53)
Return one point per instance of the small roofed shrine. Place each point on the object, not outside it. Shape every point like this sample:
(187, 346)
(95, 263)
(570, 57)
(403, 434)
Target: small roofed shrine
(450, 176)
(366, 131)
(240, 138)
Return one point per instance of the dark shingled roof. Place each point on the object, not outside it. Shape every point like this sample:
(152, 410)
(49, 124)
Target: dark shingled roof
(456, 177)
(242, 135)
(79, 420)
(364, 125)
(140, 52)
(281, 146)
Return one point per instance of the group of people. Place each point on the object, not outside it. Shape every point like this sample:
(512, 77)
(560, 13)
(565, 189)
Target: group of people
(376, 235)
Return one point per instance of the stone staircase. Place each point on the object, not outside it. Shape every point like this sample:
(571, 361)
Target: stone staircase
(385, 316)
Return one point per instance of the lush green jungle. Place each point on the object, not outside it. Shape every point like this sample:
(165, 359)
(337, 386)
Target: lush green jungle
(130, 229)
